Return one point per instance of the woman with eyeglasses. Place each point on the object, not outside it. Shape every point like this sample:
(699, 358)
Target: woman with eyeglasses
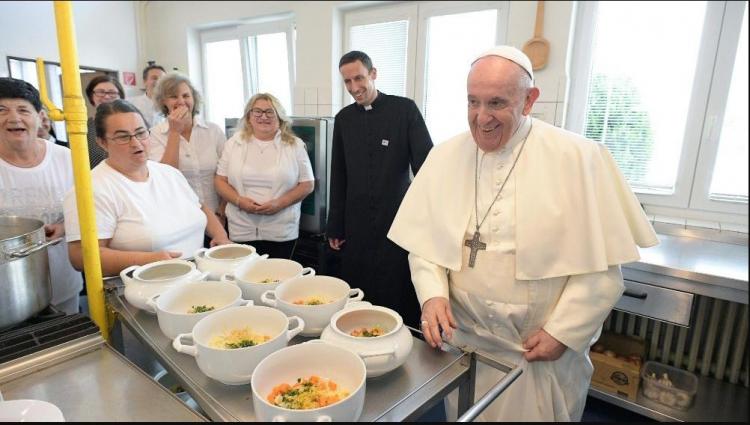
(101, 89)
(145, 211)
(34, 177)
(264, 173)
(185, 140)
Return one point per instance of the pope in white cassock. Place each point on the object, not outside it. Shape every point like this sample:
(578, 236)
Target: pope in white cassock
(516, 231)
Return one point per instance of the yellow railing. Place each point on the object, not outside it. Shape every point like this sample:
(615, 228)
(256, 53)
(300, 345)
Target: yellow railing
(74, 114)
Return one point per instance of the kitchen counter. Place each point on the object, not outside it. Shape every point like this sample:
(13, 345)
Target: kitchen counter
(401, 395)
(695, 265)
(90, 382)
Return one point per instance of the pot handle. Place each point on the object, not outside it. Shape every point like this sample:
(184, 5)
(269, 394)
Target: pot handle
(291, 333)
(355, 294)
(265, 298)
(151, 302)
(189, 349)
(278, 418)
(308, 271)
(355, 305)
(324, 418)
(246, 303)
(125, 271)
(228, 278)
(387, 352)
(32, 249)
(201, 277)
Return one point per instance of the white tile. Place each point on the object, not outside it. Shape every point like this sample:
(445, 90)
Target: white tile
(324, 96)
(311, 110)
(325, 110)
(734, 227)
(544, 111)
(311, 96)
(299, 95)
(299, 109)
(670, 220)
(703, 224)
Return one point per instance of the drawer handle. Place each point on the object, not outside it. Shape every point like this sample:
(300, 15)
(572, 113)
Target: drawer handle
(639, 295)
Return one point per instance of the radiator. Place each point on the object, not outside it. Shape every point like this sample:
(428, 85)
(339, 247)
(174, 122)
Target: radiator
(714, 345)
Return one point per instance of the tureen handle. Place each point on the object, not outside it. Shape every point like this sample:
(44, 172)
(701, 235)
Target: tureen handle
(387, 352)
(355, 294)
(265, 298)
(189, 349)
(291, 333)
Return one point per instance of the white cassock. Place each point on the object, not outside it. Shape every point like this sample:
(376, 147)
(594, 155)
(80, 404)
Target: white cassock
(555, 237)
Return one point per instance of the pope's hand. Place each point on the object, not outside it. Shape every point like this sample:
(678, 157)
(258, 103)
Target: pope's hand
(437, 315)
(543, 346)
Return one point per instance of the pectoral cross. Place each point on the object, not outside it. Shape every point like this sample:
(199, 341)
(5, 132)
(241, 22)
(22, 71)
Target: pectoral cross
(475, 244)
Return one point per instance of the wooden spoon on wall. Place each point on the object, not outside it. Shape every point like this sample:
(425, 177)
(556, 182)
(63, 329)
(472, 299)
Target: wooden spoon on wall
(537, 49)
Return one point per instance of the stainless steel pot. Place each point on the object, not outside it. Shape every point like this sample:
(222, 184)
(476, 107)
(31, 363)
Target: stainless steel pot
(25, 287)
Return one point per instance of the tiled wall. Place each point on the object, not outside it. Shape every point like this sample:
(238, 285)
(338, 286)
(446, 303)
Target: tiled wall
(314, 102)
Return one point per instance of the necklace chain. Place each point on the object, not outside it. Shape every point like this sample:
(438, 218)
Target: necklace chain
(476, 182)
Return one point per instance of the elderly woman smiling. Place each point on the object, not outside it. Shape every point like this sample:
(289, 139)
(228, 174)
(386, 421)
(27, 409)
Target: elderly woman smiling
(145, 211)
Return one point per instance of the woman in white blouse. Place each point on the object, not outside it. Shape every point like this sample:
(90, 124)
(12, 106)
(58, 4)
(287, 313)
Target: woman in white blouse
(186, 141)
(264, 173)
(145, 211)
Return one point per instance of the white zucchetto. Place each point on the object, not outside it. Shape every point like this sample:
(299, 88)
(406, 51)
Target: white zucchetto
(510, 53)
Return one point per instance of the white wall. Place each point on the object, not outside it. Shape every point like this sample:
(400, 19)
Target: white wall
(106, 34)
(170, 30)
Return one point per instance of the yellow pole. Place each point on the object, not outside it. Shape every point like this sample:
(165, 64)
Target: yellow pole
(74, 108)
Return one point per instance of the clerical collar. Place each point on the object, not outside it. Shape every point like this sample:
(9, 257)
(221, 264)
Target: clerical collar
(375, 103)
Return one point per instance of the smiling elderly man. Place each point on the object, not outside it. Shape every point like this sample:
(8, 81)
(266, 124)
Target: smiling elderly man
(515, 232)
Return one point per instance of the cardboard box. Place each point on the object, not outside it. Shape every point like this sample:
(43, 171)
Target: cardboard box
(615, 374)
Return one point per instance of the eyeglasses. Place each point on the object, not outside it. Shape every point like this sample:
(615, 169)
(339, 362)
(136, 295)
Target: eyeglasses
(110, 93)
(123, 139)
(257, 113)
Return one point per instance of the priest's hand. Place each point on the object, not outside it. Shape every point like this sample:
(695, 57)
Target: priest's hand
(335, 243)
(543, 346)
(54, 231)
(437, 315)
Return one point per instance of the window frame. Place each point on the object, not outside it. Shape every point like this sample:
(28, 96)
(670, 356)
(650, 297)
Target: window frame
(700, 137)
(418, 13)
(241, 32)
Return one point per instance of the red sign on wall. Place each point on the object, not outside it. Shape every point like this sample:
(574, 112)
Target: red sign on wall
(128, 78)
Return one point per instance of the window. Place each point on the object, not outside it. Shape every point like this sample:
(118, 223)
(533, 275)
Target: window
(421, 51)
(241, 61)
(25, 69)
(661, 100)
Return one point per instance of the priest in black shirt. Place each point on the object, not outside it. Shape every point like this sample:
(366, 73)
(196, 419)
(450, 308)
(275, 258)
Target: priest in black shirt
(375, 142)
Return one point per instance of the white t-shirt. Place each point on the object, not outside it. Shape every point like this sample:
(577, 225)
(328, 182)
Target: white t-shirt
(160, 214)
(38, 192)
(264, 171)
(147, 108)
(198, 158)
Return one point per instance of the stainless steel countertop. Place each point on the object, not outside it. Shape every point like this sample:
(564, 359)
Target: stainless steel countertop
(93, 383)
(697, 260)
(403, 394)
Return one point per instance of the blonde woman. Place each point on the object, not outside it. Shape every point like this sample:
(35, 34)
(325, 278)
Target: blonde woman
(264, 173)
(186, 141)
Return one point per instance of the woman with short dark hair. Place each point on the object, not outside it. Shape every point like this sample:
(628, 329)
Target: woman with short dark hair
(34, 177)
(101, 89)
